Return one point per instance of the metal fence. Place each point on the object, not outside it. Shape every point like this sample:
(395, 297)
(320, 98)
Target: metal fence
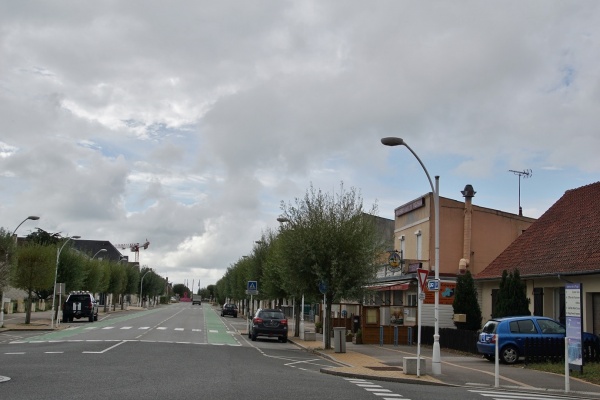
(553, 350)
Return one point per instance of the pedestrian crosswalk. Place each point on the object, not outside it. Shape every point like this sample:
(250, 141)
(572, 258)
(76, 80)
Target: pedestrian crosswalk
(141, 328)
(521, 395)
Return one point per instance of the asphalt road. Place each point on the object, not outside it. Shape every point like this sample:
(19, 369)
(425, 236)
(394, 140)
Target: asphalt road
(182, 351)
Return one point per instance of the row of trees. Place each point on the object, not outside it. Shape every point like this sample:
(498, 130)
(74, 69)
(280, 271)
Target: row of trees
(32, 268)
(326, 245)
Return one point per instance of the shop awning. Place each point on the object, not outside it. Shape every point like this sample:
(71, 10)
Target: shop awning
(391, 286)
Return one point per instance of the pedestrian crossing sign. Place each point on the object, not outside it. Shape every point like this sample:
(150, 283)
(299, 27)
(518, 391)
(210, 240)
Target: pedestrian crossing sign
(252, 286)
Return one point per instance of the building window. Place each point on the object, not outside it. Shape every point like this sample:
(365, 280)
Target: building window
(419, 244)
(411, 299)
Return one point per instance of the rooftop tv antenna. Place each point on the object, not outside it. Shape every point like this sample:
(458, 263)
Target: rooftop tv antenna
(526, 173)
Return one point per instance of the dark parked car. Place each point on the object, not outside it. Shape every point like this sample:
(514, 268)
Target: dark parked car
(269, 322)
(80, 305)
(229, 309)
(512, 332)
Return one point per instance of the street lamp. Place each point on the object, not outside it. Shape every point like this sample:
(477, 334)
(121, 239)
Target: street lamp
(98, 252)
(33, 218)
(436, 362)
(141, 286)
(56, 275)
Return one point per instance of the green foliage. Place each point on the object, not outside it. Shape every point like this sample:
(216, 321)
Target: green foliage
(132, 272)
(44, 238)
(179, 289)
(36, 266)
(512, 297)
(465, 302)
(70, 270)
(35, 271)
(7, 252)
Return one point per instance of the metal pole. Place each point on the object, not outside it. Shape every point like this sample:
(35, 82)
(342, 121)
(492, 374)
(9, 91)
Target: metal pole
(141, 284)
(436, 362)
(420, 305)
(55, 276)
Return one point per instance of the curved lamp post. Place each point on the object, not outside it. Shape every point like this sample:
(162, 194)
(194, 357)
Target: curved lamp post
(55, 276)
(141, 286)
(98, 252)
(33, 218)
(436, 362)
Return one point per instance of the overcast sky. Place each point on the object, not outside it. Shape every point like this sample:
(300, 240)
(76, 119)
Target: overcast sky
(187, 123)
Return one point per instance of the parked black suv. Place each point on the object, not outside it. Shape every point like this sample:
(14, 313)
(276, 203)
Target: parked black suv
(80, 305)
(271, 323)
(229, 309)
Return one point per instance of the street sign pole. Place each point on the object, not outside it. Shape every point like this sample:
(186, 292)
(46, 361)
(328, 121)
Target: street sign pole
(422, 274)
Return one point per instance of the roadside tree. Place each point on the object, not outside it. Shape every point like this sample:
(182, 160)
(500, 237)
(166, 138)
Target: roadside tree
(35, 271)
(512, 296)
(339, 243)
(465, 302)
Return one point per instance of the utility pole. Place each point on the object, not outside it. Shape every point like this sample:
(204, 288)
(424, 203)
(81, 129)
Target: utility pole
(527, 173)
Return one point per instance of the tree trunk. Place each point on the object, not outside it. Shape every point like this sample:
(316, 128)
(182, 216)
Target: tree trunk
(297, 319)
(327, 332)
(28, 307)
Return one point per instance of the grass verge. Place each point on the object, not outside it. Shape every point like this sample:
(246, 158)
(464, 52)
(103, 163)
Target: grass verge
(591, 371)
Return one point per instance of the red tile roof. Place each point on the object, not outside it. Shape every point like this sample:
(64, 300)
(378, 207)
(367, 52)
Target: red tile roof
(565, 240)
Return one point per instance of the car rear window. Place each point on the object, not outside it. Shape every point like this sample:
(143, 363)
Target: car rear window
(490, 327)
(78, 298)
(272, 315)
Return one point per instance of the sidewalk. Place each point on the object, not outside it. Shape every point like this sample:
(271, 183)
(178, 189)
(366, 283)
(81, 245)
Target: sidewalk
(369, 361)
(41, 320)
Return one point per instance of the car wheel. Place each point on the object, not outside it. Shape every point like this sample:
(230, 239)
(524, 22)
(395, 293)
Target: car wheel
(283, 339)
(96, 317)
(91, 318)
(254, 335)
(234, 315)
(509, 354)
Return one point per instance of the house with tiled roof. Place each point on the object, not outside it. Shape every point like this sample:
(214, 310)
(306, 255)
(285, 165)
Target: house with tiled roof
(561, 247)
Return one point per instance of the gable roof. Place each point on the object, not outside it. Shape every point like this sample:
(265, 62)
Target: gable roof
(565, 240)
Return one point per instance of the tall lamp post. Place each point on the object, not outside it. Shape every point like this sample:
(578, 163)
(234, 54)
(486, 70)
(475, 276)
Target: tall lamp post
(33, 218)
(436, 364)
(141, 286)
(56, 275)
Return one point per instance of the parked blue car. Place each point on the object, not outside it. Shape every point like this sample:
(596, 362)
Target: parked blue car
(512, 332)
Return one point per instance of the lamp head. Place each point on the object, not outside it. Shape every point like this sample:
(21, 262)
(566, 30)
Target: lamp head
(392, 141)
(76, 237)
(33, 217)
(282, 219)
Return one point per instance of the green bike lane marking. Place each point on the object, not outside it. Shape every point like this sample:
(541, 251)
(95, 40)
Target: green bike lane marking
(216, 331)
(68, 332)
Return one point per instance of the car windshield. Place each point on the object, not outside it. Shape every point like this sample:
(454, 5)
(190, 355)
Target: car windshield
(490, 327)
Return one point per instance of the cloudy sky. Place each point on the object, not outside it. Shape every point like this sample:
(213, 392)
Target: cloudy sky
(186, 123)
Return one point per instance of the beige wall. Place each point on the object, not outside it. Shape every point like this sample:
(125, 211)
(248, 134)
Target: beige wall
(492, 232)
